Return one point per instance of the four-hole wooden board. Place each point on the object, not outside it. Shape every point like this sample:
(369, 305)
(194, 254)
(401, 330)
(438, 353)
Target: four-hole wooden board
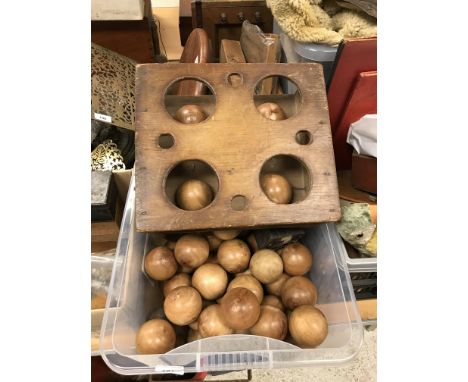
(235, 141)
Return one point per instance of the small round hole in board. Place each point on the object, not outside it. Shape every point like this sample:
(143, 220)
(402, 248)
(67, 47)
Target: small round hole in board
(165, 141)
(238, 203)
(235, 80)
(303, 137)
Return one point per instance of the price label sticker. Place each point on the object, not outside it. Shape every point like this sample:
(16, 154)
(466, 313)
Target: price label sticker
(103, 117)
(179, 370)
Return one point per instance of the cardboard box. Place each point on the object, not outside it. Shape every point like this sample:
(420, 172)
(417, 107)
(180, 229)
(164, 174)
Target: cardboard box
(364, 172)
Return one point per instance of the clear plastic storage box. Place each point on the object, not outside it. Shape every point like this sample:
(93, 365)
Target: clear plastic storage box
(363, 264)
(132, 298)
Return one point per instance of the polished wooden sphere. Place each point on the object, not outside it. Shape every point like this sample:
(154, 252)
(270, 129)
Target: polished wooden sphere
(210, 280)
(266, 266)
(155, 337)
(277, 188)
(297, 291)
(240, 308)
(160, 264)
(190, 114)
(297, 259)
(193, 195)
(191, 251)
(308, 326)
(234, 255)
(272, 111)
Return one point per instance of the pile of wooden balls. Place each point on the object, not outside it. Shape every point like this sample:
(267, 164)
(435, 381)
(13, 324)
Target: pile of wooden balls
(231, 292)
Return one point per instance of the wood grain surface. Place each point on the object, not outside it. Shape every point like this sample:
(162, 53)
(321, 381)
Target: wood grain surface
(235, 140)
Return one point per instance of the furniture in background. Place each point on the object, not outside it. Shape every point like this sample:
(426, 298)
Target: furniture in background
(223, 19)
(135, 39)
(197, 50)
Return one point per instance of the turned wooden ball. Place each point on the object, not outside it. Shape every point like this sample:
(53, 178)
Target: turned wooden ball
(191, 251)
(183, 305)
(240, 308)
(160, 263)
(193, 195)
(297, 259)
(155, 337)
(266, 266)
(272, 111)
(308, 326)
(190, 114)
(234, 255)
(277, 188)
(297, 291)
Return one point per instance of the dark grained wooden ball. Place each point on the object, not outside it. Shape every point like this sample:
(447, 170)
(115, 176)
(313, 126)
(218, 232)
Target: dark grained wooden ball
(297, 259)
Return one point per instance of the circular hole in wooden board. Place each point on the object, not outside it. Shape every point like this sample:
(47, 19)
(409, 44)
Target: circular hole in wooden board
(190, 100)
(193, 169)
(166, 141)
(293, 170)
(303, 137)
(238, 203)
(235, 79)
(281, 94)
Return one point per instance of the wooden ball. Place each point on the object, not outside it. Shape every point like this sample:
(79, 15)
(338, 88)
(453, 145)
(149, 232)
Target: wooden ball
(297, 259)
(183, 305)
(191, 251)
(193, 195)
(210, 280)
(275, 287)
(266, 266)
(160, 263)
(180, 279)
(273, 301)
(227, 234)
(210, 322)
(190, 114)
(271, 323)
(308, 326)
(272, 111)
(155, 337)
(276, 188)
(249, 282)
(297, 291)
(234, 255)
(240, 308)
(213, 241)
